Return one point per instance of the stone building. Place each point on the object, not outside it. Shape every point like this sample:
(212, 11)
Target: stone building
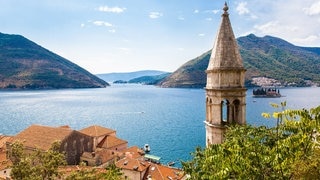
(94, 145)
(107, 147)
(98, 133)
(225, 90)
(135, 166)
(73, 143)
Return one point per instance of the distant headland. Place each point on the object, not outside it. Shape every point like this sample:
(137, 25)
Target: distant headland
(26, 65)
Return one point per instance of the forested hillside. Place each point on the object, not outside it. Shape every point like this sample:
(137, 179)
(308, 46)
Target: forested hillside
(262, 57)
(26, 65)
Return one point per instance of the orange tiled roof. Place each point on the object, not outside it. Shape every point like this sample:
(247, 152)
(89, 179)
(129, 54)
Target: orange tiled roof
(42, 137)
(3, 140)
(135, 152)
(96, 131)
(158, 171)
(111, 141)
(4, 162)
(132, 164)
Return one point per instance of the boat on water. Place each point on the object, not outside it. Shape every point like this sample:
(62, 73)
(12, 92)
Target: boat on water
(146, 148)
(171, 163)
(266, 93)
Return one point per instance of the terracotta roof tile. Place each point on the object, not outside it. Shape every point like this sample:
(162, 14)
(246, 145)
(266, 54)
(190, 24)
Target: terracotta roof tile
(3, 140)
(4, 162)
(158, 171)
(96, 131)
(134, 152)
(42, 137)
(132, 164)
(111, 141)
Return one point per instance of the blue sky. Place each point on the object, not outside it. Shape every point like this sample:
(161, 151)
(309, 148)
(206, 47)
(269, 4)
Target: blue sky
(106, 36)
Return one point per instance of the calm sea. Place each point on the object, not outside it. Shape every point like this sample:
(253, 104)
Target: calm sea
(169, 120)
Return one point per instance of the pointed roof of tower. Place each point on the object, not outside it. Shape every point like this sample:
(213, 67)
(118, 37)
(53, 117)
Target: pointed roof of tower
(225, 53)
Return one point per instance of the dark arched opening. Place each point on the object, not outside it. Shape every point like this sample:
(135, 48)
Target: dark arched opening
(225, 111)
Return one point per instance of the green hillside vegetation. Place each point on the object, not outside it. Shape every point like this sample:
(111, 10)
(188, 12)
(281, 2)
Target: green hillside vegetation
(288, 151)
(189, 75)
(149, 80)
(262, 57)
(126, 76)
(26, 65)
(278, 59)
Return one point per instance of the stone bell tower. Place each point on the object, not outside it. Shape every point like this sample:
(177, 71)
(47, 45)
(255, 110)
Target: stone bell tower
(225, 90)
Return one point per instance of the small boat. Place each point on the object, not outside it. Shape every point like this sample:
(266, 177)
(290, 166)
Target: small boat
(171, 163)
(146, 148)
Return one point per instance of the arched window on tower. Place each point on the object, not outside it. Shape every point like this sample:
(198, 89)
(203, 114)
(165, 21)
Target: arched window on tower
(224, 111)
(236, 111)
(209, 110)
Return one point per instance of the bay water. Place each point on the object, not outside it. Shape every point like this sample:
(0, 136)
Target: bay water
(170, 120)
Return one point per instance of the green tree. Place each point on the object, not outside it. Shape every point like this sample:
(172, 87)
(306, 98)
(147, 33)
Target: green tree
(84, 174)
(113, 173)
(36, 165)
(288, 151)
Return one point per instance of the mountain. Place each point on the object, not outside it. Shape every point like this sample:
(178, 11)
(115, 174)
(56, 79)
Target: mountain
(149, 80)
(189, 75)
(266, 56)
(26, 65)
(126, 76)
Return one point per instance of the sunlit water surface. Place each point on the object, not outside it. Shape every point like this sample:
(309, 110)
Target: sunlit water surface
(169, 120)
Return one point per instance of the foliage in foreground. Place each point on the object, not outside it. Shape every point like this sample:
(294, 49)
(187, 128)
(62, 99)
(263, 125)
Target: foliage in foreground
(288, 151)
(38, 164)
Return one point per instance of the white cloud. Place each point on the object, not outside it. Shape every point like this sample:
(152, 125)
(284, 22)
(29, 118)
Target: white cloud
(201, 34)
(314, 9)
(112, 30)
(307, 40)
(181, 18)
(215, 11)
(209, 19)
(278, 29)
(242, 8)
(269, 27)
(125, 50)
(155, 15)
(82, 25)
(297, 22)
(180, 49)
(196, 11)
(253, 16)
(111, 9)
(102, 23)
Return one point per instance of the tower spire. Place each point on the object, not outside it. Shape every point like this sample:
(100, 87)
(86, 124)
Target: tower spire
(225, 52)
(225, 9)
(225, 90)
